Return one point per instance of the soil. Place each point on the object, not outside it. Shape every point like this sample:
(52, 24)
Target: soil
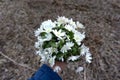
(19, 19)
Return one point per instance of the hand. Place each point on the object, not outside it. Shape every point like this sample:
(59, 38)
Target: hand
(62, 65)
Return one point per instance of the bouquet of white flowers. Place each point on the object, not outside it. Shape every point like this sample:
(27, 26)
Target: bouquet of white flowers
(60, 40)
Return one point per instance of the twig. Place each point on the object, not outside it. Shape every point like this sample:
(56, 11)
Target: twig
(19, 64)
(85, 78)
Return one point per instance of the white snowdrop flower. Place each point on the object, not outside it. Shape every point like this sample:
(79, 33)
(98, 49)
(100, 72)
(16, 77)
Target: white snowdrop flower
(57, 24)
(48, 37)
(72, 23)
(47, 26)
(42, 55)
(73, 58)
(45, 52)
(69, 45)
(79, 69)
(38, 52)
(78, 37)
(41, 40)
(66, 47)
(37, 44)
(46, 33)
(52, 61)
(49, 50)
(61, 58)
(62, 20)
(84, 50)
(45, 55)
(57, 69)
(59, 33)
(69, 28)
(88, 57)
(43, 58)
(37, 32)
(55, 50)
(79, 25)
(68, 38)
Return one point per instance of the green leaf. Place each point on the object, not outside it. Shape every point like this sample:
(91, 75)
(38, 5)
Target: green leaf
(58, 55)
(43, 34)
(71, 34)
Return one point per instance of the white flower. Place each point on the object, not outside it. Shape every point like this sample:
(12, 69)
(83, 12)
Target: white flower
(38, 52)
(78, 37)
(55, 50)
(68, 38)
(38, 31)
(37, 44)
(45, 54)
(79, 25)
(66, 47)
(88, 57)
(40, 42)
(52, 61)
(79, 69)
(72, 23)
(42, 55)
(69, 28)
(49, 50)
(47, 37)
(69, 45)
(47, 26)
(84, 50)
(62, 20)
(43, 58)
(48, 30)
(59, 33)
(57, 69)
(73, 58)
(61, 58)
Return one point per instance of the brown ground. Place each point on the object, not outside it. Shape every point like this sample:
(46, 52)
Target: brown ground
(19, 18)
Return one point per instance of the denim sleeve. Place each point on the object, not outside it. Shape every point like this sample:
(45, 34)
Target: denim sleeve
(45, 73)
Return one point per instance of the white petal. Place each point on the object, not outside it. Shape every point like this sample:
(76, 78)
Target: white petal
(69, 27)
(84, 50)
(57, 69)
(59, 33)
(79, 25)
(37, 32)
(52, 61)
(48, 25)
(73, 58)
(66, 47)
(88, 57)
(78, 37)
(62, 20)
(79, 69)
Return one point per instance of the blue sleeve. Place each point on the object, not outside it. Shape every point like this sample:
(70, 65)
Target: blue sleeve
(45, 73)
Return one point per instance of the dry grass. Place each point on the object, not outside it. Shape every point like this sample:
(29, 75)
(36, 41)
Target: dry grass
(19, 19)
